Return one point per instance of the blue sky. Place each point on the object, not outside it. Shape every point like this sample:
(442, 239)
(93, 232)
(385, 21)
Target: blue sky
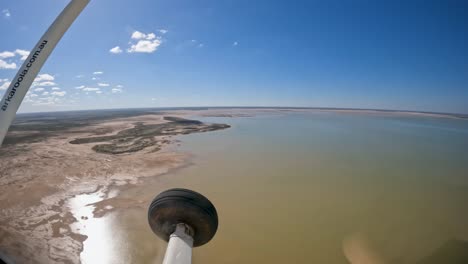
(362, 54)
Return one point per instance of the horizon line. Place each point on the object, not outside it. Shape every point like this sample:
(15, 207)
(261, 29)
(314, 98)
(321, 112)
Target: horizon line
(461, 115)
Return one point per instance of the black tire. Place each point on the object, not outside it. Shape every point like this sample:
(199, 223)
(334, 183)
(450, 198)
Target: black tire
(176, 206)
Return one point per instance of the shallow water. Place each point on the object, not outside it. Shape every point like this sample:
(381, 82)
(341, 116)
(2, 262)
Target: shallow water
(99, 243)
(316, 187)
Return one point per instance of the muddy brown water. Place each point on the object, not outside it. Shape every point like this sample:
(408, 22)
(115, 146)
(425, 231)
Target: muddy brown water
(307, 188)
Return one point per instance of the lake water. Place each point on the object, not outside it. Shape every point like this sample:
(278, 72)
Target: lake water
(316, 187)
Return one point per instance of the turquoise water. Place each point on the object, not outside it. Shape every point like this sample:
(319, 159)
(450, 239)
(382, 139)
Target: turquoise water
(323, 187)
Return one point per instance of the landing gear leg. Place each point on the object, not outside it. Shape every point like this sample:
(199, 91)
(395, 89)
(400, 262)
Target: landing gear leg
(185, 219)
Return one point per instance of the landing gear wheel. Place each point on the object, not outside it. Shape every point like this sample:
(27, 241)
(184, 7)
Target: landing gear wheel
(177, 206)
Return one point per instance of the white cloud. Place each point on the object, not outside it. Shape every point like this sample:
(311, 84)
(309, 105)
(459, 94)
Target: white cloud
(90, 89)
(235, 43)
(10, 54)
(44, 77)
(98, 92)
(45, 93)
(39, 89)
(23, 53)
(115, 50)
(138, 35)
(150, 36)
(79, 76)
(33, 95)
(163, 31)
(5, 85)
(6, 13)
(147, 43)
(145, 46)
(95, 78)
(62, 93)
(6, 65)
(80, 87)
(55, 88)
(103, 84)
(119, 86)
(116, 90)
(98, 72)
(201, 45)
(46, 84)
(6, 54)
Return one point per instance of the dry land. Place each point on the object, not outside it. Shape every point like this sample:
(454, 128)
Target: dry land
(48, 159)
